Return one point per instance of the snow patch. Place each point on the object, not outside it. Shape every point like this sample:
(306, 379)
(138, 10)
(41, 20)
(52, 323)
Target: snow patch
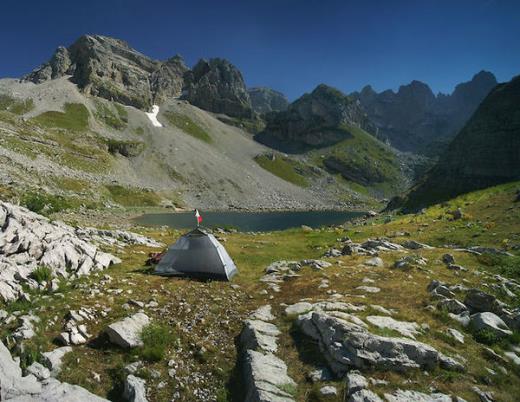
(153, 116)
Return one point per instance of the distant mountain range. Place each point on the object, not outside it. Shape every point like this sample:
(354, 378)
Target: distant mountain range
(413, 118)
(485, 153)
(380, 141)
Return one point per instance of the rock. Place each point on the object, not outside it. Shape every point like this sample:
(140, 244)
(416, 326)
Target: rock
(369, 289)
(448, 259)
(364, 395)
(450, 364)
(316, 264)
(298, 308)
(381, 309)
(53, 359)
(346, 346)
(11, 380)
(217, 86)
(478, 301)
(263, 313)
(513, 358)
(39, 371)
(491, 322)
(410, 261)
(414, 245)
(455, 335)
(484, 396)
(54, 390)
(452, 306)
(375, 262)
(266, 378)
(319, 375)
(328, 390)
(408, 329)
(259, 335)
(109, 68)
(127, 333)
(462, 318)
(135, 389)
(415, 396)
(355, 382)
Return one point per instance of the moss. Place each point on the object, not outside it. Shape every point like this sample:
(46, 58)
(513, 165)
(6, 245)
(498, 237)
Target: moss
(74, 118)
(187, 125)
(284, 168)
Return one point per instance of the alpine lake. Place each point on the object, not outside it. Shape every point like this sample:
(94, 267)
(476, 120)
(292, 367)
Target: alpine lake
(249, 221)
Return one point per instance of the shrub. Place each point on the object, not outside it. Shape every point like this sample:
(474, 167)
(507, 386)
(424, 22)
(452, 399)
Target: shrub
(486, 336)
(51, 203)
(42, 274)
(156, 338)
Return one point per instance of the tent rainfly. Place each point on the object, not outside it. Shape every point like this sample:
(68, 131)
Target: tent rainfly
(197, 254)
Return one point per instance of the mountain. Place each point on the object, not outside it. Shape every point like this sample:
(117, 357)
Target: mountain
(413, 117)
(109, 68)
(265, 100)
(330, 129)
(486, 152)
(217, 86)
(314, 120)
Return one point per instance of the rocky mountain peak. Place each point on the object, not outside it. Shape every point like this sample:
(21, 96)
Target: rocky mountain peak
(111, 69)
(217, 85)
(265, 100)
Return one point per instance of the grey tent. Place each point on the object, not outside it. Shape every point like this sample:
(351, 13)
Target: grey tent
(197, 254)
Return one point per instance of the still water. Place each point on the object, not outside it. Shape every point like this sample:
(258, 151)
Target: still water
(250, 221)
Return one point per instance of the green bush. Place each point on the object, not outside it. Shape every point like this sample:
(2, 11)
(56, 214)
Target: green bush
(42, 274)
(486, 336)
(284, 168)
(156, 339)
(51, 203)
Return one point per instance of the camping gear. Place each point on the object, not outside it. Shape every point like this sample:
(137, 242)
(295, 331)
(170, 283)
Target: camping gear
(197, 254)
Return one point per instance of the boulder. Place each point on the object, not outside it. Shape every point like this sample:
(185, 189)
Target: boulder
(375, 262)
(346, 346)
(135, 389)
(53, 359)
(298, 308)
(328, 390)
(452, 306)
(479, 301)
(363, 395)
(39, 371)
(259, 335)
(263, 313)
(414, 245)
(266, 378)
(459, 337)
(408, 329)
(415, 396)
(127, 332)
(12, 384)
(491, 322)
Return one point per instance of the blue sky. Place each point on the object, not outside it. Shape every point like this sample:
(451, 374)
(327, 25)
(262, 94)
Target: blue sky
(289, 45)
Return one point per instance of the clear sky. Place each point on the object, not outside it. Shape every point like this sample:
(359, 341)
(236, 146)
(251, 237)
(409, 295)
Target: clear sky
(289, 45)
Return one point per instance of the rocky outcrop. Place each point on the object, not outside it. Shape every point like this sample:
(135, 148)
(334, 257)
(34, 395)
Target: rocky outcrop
(265, 100)
(484, 153)
(111, 69)
(14, 386)
(217, 86)
(314, 120)
(265, 374)
(413, 117)
(135, 389)
(349, 346)
(127, 332)
(29, 241)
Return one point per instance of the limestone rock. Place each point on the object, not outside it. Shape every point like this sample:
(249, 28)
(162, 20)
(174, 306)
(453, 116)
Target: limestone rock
(491, 322)
(415, 396)
(217, 86)
(408, 329)
(53, 359)
(127, 332)
(259, 335)
(135, 389)
(265, 100)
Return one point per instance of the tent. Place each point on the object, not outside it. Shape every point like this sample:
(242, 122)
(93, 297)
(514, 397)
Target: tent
(197, 254)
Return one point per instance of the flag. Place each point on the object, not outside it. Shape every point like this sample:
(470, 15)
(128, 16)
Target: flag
(199, 218)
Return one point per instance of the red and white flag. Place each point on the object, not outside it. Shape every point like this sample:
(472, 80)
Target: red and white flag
(199, 218)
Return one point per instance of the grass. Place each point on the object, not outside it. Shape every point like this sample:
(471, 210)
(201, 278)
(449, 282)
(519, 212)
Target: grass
(74, 118)
(45, 203)
(42, 274)
(133, 197)
(117, 119)
(284, 168)
(15, 106)
(156, 339)
(187, 125)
